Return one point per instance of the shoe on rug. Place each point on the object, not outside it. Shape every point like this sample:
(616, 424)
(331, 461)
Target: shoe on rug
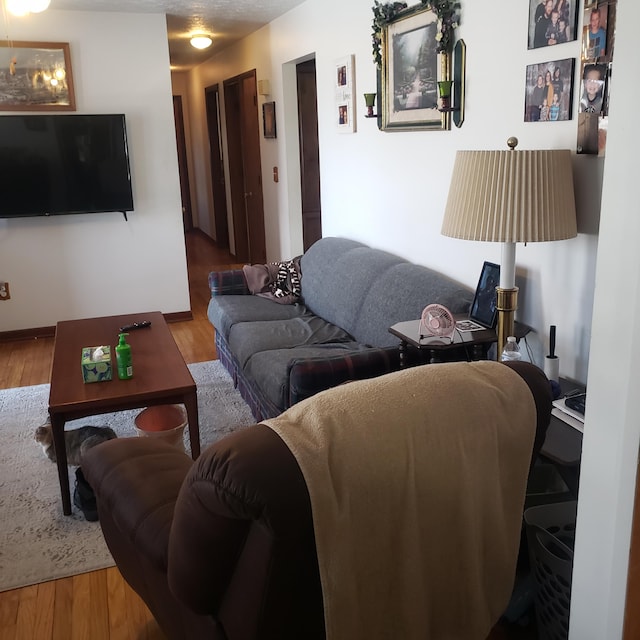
(84, 498)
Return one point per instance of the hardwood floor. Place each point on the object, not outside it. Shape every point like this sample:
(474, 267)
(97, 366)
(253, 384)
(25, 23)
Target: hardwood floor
(99, 605)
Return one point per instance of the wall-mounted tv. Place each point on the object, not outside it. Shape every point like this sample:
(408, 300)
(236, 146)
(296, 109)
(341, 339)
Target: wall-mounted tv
(61, 164)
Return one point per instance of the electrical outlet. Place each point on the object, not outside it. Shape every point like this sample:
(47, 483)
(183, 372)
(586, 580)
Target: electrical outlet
(4, 291)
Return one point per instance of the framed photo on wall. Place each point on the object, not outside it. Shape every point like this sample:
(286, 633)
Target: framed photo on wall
(411, 72)
(36, 76)
(269, 119)
(552, 22)
(598, 31)
(593, 108)
(344, 89)
(549, 91)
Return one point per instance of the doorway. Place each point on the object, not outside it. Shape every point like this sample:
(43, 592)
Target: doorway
(309, 152)
(218, 186)
(183, 170)
(245, 176)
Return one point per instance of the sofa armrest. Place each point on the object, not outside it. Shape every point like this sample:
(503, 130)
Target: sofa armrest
(308, 376)
(243, 504)
(136, 482)
(229, 282)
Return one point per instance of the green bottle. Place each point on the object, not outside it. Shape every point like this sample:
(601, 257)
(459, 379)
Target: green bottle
(123, 358)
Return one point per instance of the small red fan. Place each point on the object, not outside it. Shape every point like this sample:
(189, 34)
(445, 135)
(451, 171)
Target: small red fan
(437, 321)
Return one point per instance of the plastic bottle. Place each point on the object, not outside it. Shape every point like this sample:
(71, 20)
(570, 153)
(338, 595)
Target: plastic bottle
(123, 358)
(511, 350)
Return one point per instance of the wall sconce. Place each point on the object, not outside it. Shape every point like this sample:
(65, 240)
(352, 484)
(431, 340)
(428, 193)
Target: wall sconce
(451, 92)
(444, 93)
(370, 101)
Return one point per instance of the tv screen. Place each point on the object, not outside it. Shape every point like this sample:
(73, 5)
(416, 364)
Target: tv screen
(60, 164)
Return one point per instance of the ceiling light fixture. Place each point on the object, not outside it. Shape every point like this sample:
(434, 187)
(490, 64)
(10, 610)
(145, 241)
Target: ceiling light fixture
(25, 7)
(201, 41)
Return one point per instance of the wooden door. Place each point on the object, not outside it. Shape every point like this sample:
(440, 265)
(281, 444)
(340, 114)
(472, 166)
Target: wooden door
(309, 152)
(218, 186)
(243, 137)
(183, 169)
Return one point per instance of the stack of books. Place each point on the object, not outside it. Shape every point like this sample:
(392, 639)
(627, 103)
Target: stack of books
(572, 417)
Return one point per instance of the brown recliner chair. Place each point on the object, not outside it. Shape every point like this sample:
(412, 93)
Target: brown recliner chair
(224, 547)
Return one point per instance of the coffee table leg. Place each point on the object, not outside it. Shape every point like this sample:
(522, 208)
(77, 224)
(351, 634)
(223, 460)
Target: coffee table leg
(191, 404)
(57, 427)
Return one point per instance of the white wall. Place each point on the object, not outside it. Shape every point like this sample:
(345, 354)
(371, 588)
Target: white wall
(612, 429)
(389, 189)
(77, 266)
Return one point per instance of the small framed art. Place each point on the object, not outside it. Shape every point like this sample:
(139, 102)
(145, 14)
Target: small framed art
(269, 119)
(36, 76)
(344, 78)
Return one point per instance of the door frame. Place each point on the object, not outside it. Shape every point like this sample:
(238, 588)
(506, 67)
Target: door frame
(216, 156)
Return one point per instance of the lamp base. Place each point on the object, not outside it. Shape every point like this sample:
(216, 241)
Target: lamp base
(507, 304)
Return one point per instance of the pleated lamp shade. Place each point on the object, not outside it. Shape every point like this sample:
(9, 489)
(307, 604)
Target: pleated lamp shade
(511, 196)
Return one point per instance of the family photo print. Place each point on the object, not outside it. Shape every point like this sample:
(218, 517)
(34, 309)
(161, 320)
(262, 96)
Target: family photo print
(549, 91)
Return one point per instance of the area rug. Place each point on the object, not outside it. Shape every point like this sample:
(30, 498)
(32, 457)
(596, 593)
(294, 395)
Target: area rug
(37, 542)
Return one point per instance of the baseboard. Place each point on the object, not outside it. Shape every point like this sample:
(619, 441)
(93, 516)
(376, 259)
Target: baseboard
(27, 334)
(178, 316)
(50, 332)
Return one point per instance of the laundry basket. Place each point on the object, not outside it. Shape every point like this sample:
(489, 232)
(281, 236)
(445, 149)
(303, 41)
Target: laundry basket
(165, 421)
(551, 536)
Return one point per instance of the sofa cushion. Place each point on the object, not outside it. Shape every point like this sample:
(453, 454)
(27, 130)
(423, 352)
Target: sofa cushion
(247, 338)
(337, 275)
(401, 293)
(270, 369)
(225, 311)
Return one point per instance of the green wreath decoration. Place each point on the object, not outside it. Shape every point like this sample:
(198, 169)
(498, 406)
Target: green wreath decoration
(448, 12)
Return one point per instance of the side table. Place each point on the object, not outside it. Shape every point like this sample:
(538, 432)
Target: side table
(464, 345)
(563, 444)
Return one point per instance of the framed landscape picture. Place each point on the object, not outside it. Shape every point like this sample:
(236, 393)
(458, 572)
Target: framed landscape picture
(410, 72)
(36, 76)
(549, 91)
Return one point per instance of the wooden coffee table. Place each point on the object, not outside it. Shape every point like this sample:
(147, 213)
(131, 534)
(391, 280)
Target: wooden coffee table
(160, 376)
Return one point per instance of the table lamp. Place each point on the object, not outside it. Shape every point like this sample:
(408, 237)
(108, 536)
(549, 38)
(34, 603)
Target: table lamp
(510, 196)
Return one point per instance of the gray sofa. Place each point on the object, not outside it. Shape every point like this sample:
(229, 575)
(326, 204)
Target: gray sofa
(279, 354)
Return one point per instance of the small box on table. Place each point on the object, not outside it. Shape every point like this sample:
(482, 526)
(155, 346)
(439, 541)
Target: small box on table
(96, 364)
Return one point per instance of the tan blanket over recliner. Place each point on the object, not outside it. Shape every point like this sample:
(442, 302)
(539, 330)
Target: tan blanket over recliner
(417, 482)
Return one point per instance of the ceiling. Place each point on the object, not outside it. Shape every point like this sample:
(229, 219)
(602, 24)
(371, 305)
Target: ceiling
(226, 21)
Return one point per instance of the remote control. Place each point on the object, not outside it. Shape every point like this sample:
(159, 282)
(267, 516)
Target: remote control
(136, 325)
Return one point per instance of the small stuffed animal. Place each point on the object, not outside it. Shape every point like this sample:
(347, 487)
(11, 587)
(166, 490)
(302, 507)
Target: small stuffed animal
(77, 441)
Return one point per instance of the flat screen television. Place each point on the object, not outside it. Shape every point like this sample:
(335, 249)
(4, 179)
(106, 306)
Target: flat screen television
(62, 164)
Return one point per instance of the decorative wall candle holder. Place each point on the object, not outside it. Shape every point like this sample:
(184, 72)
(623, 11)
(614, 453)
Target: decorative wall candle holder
(444, 93)
(370, 101)
(451, 92)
